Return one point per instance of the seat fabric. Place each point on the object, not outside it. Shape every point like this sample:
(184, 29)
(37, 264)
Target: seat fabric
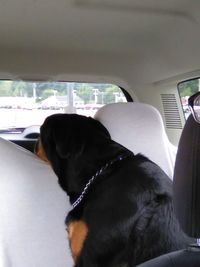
(139, 127)
(187, 179)
(32, 212)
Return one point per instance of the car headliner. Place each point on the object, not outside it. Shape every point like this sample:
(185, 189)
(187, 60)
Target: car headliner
(130, 41)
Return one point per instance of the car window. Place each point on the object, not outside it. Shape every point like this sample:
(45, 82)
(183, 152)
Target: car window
(26, 103)
(186, 89)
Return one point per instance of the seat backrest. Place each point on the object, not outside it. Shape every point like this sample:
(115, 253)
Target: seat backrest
(187, 179)
(33, 208)
(140, 128)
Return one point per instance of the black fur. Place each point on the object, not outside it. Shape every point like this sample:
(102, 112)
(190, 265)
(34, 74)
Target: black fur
(128, 209)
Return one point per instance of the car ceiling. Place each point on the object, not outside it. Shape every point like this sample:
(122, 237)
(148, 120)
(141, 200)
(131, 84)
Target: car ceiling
(141, 42)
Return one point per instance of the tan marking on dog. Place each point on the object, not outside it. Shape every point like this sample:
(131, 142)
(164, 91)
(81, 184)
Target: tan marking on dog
(77, 232)
(39, 151)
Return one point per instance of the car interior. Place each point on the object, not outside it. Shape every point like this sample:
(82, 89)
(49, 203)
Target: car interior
(130, 64)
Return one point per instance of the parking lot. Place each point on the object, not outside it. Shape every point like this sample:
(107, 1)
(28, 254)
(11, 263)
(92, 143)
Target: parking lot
(24, 117)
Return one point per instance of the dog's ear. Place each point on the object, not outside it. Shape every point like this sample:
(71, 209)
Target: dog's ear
(69, 135)
(73, 140)
(68, 142)
(62, 141)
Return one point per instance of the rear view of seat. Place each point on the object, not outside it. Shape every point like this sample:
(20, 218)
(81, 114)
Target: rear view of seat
(33, 208)
(140, 128)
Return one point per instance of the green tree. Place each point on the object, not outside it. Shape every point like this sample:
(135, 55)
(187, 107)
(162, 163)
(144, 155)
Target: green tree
(188, 88)
(46, 93)
(109, 93)
(43, 89)
(21, 88)
(6, 88)
(84, 91)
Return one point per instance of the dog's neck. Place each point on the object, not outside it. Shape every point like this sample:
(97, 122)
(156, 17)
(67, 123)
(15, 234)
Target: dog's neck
(82, 168)
(101, 171)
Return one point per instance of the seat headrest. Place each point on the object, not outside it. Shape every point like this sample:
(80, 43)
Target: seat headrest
(139, 127)
(187, 179)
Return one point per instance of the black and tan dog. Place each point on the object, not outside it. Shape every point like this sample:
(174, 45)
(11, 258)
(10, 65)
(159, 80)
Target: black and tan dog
(122, 211)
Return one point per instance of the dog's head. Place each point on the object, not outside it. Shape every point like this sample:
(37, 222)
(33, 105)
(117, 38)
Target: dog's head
(68, 138)
(67, 135)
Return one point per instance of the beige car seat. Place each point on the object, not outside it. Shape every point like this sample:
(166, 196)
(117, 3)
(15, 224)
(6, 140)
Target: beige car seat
(33, 208)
